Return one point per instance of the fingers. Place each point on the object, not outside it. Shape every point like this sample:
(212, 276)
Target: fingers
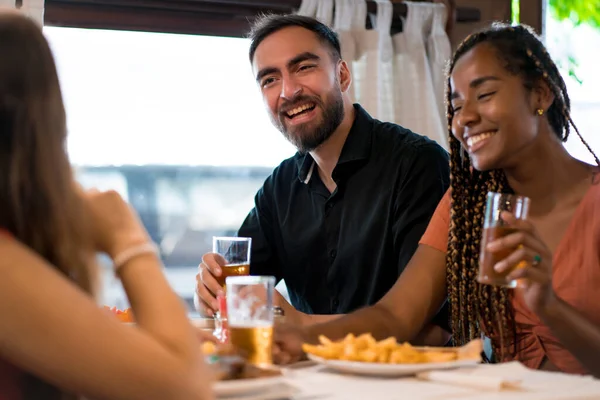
(529, 260)
(201, 306)
(513, 240)
(524, 245)
(520, 224)
(287, 344)
(214, 262)
(205, 336)
(281, 357)
(529, 275)
(208, 280)
(515, 260)
(207, 286)
(207, 303)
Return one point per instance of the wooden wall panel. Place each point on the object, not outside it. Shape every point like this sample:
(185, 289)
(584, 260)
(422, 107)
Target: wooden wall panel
(491, 10)
(532, 13)
(231, 17)
(207, 17)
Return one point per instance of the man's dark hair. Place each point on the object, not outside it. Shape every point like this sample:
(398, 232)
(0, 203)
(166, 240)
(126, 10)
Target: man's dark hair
(267, 24)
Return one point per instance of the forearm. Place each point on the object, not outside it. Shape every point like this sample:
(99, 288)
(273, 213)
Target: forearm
(298, 317)
(376, 320)
(575, 332)
(431, 335)
(156, 307)
(312, 319)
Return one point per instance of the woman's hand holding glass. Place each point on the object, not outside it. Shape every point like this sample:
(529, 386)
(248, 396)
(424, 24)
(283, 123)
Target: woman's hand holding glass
(535, 275)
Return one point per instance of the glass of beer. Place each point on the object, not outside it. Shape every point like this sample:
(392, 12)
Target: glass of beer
(494, 228)
(236, 252)
(250, 317)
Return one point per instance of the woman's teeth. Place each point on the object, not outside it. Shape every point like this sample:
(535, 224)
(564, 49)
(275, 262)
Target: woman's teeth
(472, 140)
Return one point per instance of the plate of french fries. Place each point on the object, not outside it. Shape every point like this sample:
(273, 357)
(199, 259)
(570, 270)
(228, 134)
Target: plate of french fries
(364, 355)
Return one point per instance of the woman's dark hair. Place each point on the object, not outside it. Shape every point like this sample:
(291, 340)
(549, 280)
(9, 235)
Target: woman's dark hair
(39, 203)
(266, 25)
(475, 307)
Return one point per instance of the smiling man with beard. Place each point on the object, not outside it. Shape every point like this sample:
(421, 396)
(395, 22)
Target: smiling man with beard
(339, 220)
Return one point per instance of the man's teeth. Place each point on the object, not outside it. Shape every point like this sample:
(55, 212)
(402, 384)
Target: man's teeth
(476, 139)
(298, 110)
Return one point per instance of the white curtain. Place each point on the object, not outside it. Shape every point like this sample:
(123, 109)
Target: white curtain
(397, 79)
(439, 51)
(32, 8)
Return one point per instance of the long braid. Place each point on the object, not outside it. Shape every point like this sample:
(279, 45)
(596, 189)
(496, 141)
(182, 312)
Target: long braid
(477, 308)
(453, 260)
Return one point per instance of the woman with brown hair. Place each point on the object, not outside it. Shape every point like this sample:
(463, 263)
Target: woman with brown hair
(508, 114)
(55, 341)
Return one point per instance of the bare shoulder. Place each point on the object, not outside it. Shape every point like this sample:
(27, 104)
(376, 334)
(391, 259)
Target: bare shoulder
(13, 251)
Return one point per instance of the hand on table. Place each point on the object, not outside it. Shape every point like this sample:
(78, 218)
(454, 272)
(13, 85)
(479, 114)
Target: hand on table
(287, 343)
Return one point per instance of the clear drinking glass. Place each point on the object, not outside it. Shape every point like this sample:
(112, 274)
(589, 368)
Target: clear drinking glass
(493, 228)
(250, 316)
(236, 252)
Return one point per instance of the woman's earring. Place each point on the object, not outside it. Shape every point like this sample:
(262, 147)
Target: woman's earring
(540, 111)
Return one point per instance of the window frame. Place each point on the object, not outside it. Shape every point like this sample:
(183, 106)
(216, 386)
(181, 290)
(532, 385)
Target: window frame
(229, 18)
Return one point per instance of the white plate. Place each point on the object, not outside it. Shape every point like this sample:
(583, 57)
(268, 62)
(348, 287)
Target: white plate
(246, 386)
(381, 369)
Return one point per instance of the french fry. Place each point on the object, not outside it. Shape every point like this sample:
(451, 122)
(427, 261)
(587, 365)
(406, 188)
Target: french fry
(325, 341)
(364, 348)
(437, 357)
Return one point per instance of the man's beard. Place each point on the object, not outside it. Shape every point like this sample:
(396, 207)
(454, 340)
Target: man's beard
(306, 138)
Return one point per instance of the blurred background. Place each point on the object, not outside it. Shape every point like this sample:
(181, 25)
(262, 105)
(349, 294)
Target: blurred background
(162, 106)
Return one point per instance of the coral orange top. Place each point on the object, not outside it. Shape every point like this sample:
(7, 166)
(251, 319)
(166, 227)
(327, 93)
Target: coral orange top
(575, 278)
(10, 376)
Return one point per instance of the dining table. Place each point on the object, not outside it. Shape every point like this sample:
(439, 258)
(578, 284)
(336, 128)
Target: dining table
(309, 381)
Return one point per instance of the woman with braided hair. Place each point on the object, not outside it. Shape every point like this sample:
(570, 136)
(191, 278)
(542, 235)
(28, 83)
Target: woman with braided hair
(508, 116)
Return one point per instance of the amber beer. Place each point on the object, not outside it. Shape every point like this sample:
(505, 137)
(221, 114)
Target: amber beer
(495, 228)
(232, 270)
(235, 252)
(487, 259)
(255, 341)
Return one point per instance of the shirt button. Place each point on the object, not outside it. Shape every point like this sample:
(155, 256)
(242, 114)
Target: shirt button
(336, 303)
(332, 254)
(329, 206)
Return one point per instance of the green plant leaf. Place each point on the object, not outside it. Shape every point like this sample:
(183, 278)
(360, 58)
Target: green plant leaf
(577, 11)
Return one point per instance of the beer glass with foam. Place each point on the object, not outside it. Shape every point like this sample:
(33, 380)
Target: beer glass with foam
(250, 316)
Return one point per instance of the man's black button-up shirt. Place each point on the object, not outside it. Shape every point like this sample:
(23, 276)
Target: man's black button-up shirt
(344, 250)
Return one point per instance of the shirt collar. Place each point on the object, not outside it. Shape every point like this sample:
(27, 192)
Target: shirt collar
(356, 148)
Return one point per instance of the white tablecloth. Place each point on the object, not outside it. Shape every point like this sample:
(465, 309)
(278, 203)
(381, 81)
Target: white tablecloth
(318, 383)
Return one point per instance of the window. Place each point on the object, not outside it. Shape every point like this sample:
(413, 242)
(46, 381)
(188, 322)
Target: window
(572, 47)
(176, 124)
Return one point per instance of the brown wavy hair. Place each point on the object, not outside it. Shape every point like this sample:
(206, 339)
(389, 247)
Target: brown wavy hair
(477, 308)
(39, 203)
